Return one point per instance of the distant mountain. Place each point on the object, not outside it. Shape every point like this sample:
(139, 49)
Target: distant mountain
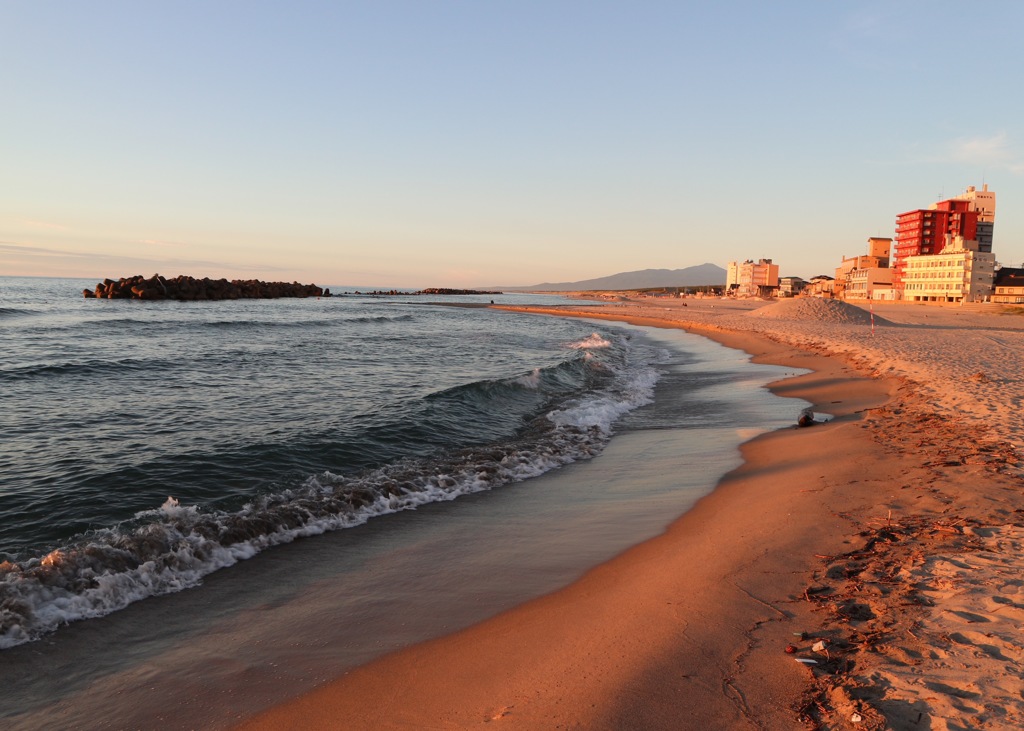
(688, 277)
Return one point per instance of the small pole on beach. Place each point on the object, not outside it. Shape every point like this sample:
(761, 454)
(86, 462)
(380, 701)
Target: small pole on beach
(871, 308)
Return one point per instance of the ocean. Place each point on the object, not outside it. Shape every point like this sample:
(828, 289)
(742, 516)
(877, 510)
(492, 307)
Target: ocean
(202, 488)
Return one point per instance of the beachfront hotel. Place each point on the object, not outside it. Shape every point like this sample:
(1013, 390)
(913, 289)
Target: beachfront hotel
(958, 274)
(944, 253)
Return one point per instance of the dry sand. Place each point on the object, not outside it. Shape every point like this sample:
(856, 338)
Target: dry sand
(862, 574)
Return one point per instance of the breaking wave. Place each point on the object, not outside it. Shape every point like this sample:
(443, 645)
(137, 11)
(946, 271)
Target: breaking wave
(548, 417)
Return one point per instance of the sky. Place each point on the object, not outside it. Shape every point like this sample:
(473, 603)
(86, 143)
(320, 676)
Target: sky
(484, 143)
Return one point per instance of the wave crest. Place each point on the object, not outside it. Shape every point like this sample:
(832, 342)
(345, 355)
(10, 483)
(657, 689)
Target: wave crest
(174, 547)
(594, 340)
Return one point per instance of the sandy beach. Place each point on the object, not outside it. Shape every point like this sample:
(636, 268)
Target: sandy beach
(863, 573)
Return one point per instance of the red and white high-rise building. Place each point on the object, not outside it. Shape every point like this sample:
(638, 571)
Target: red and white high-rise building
(961, 223)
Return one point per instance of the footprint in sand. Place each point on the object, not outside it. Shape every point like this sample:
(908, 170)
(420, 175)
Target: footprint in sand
(1011, 587)
(990, 644)
(969, 617)
(967, 692)
(1005, 607)
(961, 698)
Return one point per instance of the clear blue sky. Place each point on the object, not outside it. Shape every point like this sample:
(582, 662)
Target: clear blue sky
(483, 143)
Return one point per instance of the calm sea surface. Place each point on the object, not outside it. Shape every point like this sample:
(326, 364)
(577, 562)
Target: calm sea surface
(144, 446)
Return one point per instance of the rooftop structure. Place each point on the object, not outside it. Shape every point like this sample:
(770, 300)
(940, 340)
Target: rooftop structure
(981, 201)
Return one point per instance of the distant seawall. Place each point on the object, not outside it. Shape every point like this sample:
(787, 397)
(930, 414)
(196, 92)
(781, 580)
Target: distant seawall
(190, 289)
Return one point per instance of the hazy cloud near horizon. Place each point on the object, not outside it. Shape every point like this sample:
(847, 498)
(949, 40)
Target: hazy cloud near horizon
(15, 257)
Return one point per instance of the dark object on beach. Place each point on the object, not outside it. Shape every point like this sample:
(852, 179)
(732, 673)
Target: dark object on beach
(806, 418)
(190, 289)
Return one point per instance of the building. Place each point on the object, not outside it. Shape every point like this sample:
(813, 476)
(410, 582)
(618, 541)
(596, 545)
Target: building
(984, 203)
(750, 279)
(956, 225)
(871, 283)
(960, 273)
(858, 277)
(1008, 287)
(821, 286)
(927, 232)
(790, 286)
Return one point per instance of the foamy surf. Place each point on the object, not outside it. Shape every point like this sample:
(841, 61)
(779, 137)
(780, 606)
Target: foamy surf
(594, 340)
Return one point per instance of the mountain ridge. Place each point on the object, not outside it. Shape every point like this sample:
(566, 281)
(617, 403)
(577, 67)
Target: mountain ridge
(701, 274)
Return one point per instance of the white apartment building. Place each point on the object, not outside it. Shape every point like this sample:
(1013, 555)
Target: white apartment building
(957, 275)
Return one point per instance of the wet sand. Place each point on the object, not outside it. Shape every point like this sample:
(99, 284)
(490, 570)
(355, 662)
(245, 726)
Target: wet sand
(862, 573)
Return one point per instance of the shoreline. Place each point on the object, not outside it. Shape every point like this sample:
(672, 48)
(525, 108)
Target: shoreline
(632, 644)
(287, 620)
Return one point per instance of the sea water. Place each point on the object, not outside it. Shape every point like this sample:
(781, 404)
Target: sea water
(146, 446)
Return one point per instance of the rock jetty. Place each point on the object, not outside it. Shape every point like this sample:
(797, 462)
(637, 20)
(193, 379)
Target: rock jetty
(429, 290)
(190, 289)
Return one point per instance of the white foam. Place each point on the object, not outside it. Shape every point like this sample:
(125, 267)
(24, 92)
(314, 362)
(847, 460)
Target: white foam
(633, 388)
(594, 340)
(601, 412)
